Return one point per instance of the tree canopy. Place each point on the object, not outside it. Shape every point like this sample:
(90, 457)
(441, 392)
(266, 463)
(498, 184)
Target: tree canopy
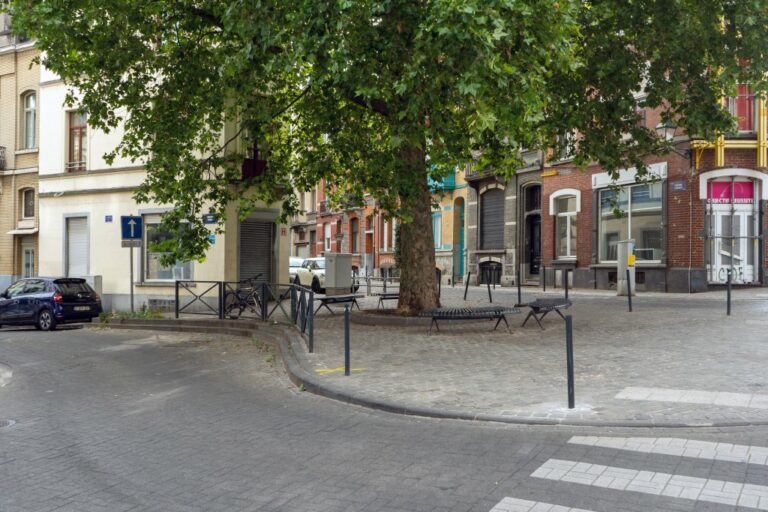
(365, 94)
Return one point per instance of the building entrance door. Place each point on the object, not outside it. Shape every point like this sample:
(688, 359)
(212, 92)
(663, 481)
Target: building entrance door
(733, 245)
(533, 243)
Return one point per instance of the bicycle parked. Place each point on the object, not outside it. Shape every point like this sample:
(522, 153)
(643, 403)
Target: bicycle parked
(245, 296)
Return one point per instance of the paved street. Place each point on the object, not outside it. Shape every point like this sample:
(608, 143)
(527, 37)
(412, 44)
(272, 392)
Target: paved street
(675, 360)
(135, 420)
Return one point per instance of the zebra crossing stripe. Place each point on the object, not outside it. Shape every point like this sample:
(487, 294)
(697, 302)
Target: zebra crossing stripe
(659, 484)
(517, 505)
(694, 396)
(680, 448)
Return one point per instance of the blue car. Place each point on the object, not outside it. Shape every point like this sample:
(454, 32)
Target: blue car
(45, 302)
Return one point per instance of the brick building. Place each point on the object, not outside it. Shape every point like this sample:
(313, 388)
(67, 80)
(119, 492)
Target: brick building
(699, 220)
(19, 136)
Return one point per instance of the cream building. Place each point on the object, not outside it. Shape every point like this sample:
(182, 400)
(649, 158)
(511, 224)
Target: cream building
(19, 136)
(82, 199)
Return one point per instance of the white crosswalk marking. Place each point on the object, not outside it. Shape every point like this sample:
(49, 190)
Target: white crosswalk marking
(516, 505)
(725, 452)
(659, 484)
(694, 396)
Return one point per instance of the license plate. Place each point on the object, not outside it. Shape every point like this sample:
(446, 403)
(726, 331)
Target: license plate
(82, 308)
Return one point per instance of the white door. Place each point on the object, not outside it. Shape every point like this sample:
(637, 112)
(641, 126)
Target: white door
(734, 246)
(77, 247)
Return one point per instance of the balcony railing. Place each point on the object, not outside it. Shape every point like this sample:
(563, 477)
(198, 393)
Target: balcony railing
(322, 208)
(75, 166)
(2, 158)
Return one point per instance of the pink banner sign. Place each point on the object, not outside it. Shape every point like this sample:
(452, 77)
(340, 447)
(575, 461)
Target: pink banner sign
(719, 192)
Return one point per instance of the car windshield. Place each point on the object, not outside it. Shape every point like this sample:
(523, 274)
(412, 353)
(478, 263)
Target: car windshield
(296, 262)
(320, 264)
(73, 287)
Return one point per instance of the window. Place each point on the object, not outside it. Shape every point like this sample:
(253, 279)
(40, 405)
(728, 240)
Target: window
(15, 289)
(354, 234)
(77, 247)
(565, 226)
(641, 221)
(77, 141)
(154, 270)
(492, 219)
(28, 203)
(29, 262)
(327, 236)
(437, 229)
(565, 146)
(742, 107)
(29, 120)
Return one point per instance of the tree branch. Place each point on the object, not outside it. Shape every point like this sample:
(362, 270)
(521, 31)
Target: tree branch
(378, 106)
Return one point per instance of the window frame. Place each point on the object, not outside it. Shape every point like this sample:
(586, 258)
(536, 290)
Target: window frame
(154, 220)
(77, 132)
(24, 212)
(26, 111)
(569, 217)
(437, 229)
(354, 235)
(628, 213)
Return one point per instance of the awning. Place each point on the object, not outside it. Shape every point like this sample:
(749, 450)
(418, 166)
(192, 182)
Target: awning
(28, 231)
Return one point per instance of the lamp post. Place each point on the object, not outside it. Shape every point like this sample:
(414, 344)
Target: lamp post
(667, 130)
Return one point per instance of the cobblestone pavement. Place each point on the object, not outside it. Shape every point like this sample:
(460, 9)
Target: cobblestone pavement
(675, 360)
(141, 421)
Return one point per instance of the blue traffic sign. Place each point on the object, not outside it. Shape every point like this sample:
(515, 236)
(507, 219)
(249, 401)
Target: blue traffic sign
(131, 227)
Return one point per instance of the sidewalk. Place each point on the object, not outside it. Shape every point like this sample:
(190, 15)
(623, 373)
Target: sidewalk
(677, 360)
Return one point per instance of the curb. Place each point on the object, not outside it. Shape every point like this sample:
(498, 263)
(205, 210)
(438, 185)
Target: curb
(290, 346)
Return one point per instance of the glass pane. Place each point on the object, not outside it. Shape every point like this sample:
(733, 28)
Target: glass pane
(612, 228)
(751, 245)
(566, 204)
(646, 221)
(561, 228)
(572, 224)
(29, 129)
(725, 243)
(736, 234)
(155, 269)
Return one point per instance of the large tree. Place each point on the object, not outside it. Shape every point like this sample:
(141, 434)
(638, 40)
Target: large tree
(377, 96)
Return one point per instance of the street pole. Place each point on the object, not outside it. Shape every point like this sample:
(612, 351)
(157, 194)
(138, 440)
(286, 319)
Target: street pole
(131, 276)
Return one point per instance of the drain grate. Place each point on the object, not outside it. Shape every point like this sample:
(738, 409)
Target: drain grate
(6, 423)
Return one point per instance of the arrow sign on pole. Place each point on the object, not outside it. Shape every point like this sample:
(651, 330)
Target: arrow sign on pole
(132, 227)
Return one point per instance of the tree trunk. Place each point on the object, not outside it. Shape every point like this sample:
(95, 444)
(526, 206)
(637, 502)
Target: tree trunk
(418, 284)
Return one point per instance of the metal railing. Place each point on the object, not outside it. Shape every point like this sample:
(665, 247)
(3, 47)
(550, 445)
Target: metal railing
(2, 158)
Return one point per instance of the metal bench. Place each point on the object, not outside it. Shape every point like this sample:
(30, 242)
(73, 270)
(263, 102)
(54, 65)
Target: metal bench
(540, 308)
(386, 296)
(338, 299)
(489, 312)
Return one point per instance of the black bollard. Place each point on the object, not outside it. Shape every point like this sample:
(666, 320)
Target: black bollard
(728, 288)
(346, 339)
(488, 284)
(569, 360)
(311, 321)
(466, 285)
(519, 285)
(544, 278)
(629, 291)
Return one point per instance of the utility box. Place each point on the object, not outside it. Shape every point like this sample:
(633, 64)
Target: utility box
(338, 273)
(626, 261)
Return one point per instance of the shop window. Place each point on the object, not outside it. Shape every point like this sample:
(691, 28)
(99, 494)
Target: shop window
(641, 220)
(154, 270)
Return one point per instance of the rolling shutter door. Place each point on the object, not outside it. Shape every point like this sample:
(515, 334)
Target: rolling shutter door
(492, 219)
(256, 242)
(77, 247)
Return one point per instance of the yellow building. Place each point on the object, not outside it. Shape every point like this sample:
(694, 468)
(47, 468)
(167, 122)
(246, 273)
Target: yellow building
(449, 227)
(19, 135)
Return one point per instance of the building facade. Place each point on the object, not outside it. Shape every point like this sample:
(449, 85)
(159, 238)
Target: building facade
(504, 230)
(19, 147)
(82, 199)
(700, 219)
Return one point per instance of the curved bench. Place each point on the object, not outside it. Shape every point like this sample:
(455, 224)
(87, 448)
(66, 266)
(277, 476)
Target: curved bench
(541, 307)
(488, 312)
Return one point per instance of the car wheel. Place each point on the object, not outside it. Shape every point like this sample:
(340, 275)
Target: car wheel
(45, 320)
(316, 286)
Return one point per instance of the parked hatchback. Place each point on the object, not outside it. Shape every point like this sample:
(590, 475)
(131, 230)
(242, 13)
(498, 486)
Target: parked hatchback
(45, 302)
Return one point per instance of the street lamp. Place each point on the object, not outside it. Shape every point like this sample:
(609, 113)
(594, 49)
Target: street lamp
(666, 130)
